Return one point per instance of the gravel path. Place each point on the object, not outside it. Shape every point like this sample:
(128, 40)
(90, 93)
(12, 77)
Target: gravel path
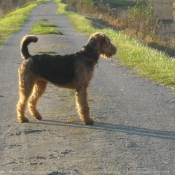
(134, 130)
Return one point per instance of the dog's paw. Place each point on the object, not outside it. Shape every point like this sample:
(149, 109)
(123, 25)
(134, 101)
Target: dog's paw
(38, 117)
(23, 119)
(89, 121)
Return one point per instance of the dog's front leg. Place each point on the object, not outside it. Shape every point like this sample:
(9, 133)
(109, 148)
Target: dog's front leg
(82, 106)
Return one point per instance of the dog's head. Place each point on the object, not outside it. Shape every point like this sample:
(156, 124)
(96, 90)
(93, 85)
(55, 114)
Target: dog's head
(104, 46)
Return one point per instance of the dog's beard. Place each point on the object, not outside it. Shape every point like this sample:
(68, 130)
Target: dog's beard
(106, 56)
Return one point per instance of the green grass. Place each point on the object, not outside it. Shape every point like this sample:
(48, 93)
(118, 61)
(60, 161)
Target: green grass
(72, 120)
(76, 19)
(12, 22)
(44, 28)
(149, 63)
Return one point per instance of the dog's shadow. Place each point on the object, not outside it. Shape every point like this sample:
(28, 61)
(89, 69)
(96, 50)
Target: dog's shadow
(130, 130)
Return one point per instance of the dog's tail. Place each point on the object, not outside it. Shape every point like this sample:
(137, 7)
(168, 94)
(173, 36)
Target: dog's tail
(24, 45)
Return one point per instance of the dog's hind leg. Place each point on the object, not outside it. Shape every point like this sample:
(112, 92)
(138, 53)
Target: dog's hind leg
(82, 106)
(26, 82)
(38, 90)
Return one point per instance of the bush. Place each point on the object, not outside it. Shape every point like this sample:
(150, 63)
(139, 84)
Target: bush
(85, 6)
(99, 10)
(140, 22)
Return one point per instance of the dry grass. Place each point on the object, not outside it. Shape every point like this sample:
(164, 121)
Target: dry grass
(140, 23)
(7, 6)
(88, 7)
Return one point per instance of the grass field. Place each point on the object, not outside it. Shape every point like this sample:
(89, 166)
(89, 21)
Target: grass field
(149, 63)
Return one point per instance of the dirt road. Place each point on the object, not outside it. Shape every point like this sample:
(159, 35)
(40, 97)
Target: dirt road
(134, 130)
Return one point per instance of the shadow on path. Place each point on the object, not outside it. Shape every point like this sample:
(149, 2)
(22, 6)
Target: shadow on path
(170, 135)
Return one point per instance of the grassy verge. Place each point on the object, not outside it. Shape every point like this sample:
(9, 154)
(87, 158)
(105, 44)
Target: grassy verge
(150, 63)
(41, 28)
(12, 22)
(76, 19)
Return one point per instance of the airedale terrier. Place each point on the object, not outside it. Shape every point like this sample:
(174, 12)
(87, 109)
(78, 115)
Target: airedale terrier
(72, 71)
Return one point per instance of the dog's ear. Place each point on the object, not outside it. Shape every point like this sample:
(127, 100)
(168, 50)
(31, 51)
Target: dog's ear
(92, 41)
(106, 39)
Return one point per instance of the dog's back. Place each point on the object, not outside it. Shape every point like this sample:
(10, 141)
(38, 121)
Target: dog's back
(57, 69)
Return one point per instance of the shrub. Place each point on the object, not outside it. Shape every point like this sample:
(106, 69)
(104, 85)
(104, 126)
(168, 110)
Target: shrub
(98, 10)
(140, 22)
(85, 6)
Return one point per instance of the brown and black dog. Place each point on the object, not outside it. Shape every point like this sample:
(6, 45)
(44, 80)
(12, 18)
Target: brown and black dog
(72, 71)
